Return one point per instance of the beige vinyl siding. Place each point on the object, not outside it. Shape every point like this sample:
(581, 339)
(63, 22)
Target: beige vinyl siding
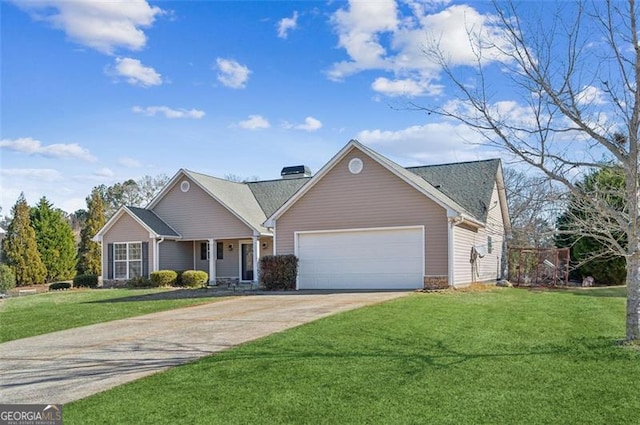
(373, 198)
(463, 239)
(488, 267)
(125, 229)
(196, 215)
(176, 255)
(229, 266)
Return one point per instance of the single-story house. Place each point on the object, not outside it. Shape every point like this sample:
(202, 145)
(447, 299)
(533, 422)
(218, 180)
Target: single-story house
(361, 222)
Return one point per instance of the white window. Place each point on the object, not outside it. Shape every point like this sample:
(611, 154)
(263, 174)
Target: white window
(127, 259)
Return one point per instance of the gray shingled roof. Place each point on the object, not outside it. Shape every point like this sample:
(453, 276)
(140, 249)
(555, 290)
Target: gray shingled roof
(272, 194)
(237, 197)
(154, 222)
(470, 184)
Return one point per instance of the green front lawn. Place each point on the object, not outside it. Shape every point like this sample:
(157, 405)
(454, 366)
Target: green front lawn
(506, 356)
(31, 315)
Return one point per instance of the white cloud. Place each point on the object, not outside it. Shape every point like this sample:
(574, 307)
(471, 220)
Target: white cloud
(135, 73)
(58, 150)
(591, 95)
(254, 122)
(310, 124)
(404, 87)
(169, 112)
(103, 172)
(287, 24)
(431, 143)
(101, 25)
(381, 36)
(35, 173)
(128, 162)
(232, 74)
(359, 29)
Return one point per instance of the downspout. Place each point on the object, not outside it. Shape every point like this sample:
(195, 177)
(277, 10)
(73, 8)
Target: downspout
(451, 252)
(156, 254)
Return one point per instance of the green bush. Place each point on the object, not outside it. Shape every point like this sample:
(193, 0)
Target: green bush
(194, 278)
(85, 281)
(7, 278)
(57, 286)
(139, 282)
(163, 278)
(278, 272)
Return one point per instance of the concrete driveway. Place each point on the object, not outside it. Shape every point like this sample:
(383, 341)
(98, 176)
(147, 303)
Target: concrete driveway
(64, 366)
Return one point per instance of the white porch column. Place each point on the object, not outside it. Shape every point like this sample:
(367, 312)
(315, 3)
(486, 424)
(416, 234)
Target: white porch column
(212, 261)
(256, 257)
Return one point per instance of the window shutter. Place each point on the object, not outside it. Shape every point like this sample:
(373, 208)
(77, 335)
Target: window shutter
(145, 259)
(110, 261)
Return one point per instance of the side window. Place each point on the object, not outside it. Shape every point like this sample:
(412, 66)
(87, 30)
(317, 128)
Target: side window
(489, 245)
(219, 250)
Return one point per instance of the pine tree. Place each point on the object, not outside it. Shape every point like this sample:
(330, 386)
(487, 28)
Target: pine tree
(89, 253)
(20, 249)
(55, 239)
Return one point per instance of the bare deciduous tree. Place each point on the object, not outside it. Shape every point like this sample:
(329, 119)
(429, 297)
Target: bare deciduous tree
(576, 74)
(534, 204)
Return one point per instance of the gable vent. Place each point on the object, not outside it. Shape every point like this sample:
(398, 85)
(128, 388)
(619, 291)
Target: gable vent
(295, 172)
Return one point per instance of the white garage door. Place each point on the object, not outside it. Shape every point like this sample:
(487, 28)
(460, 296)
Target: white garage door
(361, 259)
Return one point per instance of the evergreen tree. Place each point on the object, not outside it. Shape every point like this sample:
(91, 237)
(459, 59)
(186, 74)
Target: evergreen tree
(55, 239)
(20, 249)
(89, 253)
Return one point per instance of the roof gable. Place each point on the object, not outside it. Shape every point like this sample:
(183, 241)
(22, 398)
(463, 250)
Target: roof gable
(235, 197)
(153, 222)
(145, 218)
(470, 184)
(414, 180)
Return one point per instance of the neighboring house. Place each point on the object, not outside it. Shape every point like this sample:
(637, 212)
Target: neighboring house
(362, 222)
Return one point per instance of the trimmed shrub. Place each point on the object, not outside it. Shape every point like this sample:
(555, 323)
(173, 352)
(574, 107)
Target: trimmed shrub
(85, 281)
(58, 286)
(278, 272)
(163, 278)
(139, 282)
(7, 278)
(194, 278)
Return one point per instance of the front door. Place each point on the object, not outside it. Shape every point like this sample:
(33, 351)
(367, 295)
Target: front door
(246, 260)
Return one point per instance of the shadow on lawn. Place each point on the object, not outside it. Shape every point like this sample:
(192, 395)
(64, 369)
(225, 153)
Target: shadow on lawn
(603, 292)
(177, 294)
(436, 355)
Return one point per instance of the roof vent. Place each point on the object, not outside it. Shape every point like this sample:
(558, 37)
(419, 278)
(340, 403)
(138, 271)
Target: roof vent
(295, 172)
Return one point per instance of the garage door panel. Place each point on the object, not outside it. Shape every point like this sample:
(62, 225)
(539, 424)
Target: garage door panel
(362, 259)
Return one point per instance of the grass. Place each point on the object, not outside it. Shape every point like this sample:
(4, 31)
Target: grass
(21, 317)
(506, 356)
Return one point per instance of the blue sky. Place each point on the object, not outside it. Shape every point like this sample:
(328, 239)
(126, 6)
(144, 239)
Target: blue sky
(100, 92)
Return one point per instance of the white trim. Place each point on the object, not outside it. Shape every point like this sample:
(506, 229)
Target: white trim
(256, 257)
(361, 229)
(450, 252)
(296, 235)
(213, 258)
(127, 261)
(275, 237)
(240, 243)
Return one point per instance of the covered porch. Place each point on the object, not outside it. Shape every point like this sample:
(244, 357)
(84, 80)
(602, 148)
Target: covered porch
(227, 261)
